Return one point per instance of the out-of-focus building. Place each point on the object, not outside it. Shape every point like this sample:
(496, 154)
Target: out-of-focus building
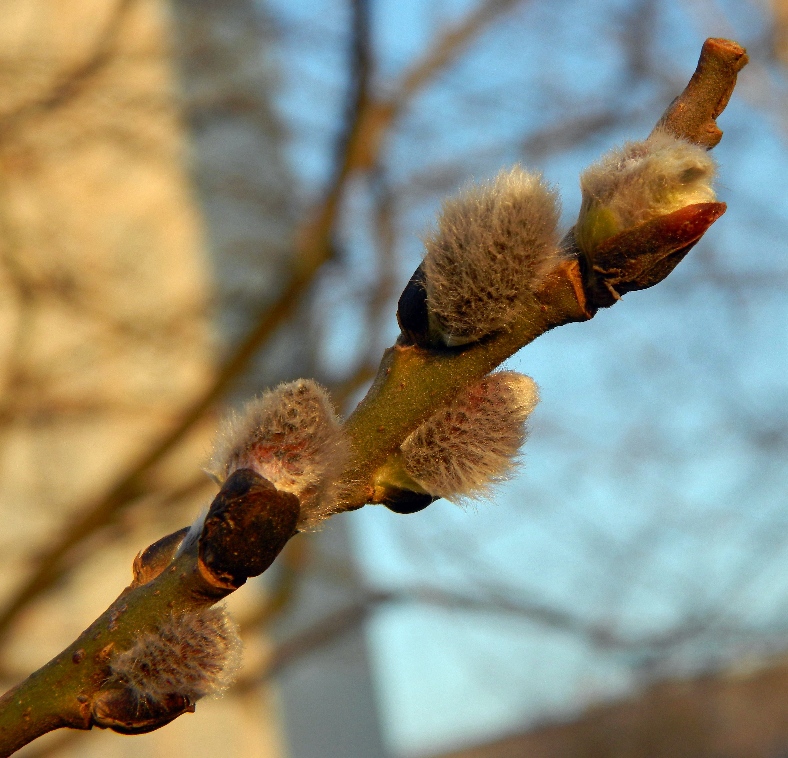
(738, 713)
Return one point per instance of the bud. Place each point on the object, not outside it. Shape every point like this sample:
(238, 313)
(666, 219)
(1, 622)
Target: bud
(189, 656)
(292, 437)
(493, 245)
(638, 182)
(245, 529)
(156, 557)
(116, 707)
(472, 443)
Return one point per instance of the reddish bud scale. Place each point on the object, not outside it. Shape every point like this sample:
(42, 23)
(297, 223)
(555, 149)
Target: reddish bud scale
(642, 257)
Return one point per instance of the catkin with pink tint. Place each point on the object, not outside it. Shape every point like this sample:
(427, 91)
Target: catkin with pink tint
(291, 436)
(474, 441)
(192, 654)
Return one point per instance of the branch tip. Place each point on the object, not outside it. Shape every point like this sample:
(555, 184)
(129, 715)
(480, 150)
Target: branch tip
(692, 115)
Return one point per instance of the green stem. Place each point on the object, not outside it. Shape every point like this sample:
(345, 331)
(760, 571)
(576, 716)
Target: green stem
(413, 381)
(62, 692)
(38, 705)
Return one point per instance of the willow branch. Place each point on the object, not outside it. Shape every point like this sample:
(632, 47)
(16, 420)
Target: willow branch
(247, 526)
(397, 402)
(250, 521)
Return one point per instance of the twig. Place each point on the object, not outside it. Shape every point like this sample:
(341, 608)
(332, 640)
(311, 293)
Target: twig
(70, 85)
(692, 115)
(452, 43)
(250, 521)
(327, 630)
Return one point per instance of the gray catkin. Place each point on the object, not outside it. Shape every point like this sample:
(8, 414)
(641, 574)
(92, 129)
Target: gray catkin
(642, 180)
(493, 244)
(191, 654)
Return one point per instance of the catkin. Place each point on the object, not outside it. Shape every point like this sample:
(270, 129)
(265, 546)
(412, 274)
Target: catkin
(640, 181)
(473, 442)
(291, 436)
(493, 244)
(192, 654)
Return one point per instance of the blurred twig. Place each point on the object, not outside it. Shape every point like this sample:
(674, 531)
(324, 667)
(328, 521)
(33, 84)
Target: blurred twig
(780, 30)
(313, 250)
(334, 626)
(70, 85)
(451, 44)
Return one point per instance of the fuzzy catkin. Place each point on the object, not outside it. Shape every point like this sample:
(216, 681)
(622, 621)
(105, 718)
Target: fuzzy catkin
(640, 181)
(291, 436)
(473, 442)
(493, 244)
(192, 654)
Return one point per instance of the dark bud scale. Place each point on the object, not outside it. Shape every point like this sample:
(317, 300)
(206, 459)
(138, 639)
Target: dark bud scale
(248, 524)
